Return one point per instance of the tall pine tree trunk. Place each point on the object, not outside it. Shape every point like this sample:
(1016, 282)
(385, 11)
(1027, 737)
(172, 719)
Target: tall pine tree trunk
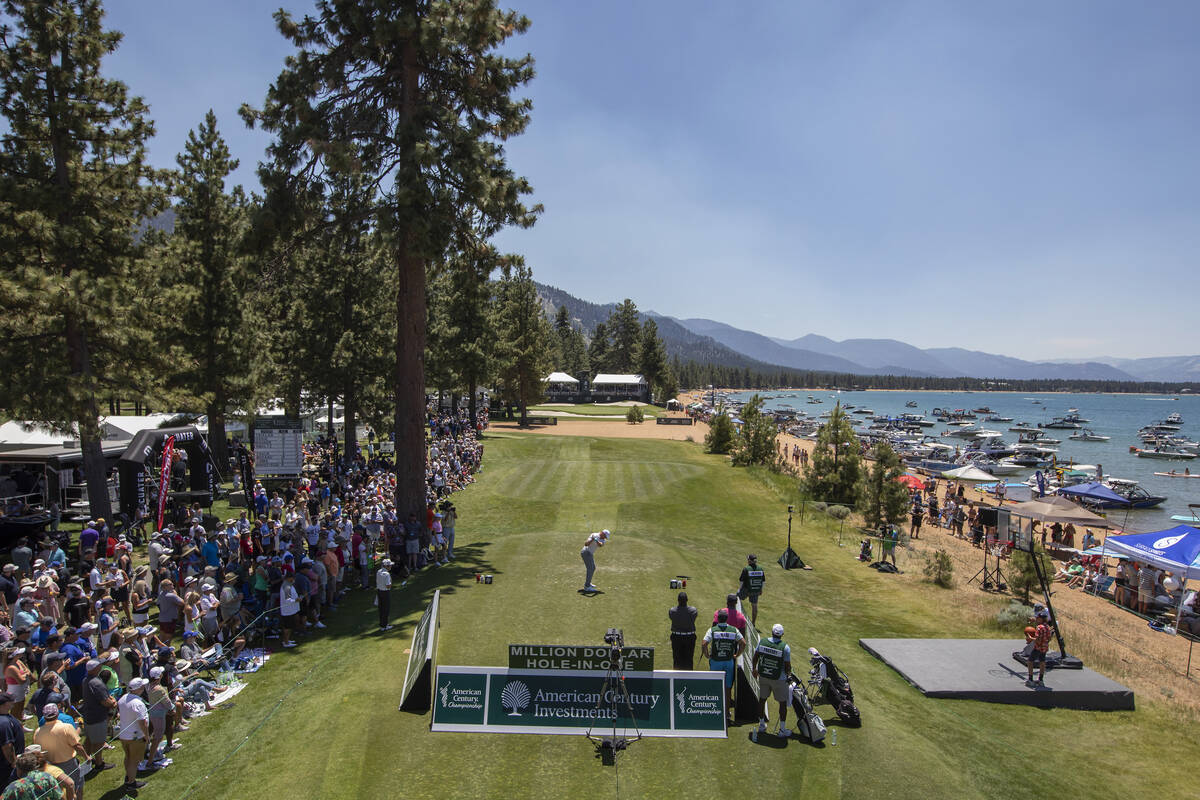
(216, 432)
(472, 390)
(350, 433)
(410, 382)
(95, 473)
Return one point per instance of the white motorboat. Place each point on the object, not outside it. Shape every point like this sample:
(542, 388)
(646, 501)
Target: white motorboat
(1088, 435)
(1166, 455)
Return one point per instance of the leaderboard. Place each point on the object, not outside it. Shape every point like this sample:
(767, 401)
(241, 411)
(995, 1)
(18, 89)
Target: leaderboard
(278, 444)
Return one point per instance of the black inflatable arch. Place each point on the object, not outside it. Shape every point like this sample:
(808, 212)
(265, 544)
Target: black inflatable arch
(146, 446)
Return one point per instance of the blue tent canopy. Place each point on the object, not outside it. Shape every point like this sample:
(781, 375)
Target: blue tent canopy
(1094, 491)
(1176, 549)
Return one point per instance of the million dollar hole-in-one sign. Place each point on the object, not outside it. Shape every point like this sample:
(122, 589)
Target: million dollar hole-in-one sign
(585, 657)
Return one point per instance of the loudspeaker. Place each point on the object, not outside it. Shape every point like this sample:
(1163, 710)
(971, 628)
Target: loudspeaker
(988, 516)
(789, 560)
(210, 522)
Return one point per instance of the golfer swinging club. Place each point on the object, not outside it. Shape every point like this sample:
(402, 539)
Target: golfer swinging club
(594, 541)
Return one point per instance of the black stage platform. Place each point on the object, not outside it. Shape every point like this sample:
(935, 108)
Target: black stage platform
(984, 669)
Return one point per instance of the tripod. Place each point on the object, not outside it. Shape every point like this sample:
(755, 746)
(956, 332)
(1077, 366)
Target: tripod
(614, 700)
(992, 579)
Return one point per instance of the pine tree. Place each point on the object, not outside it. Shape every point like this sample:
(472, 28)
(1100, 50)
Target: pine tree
(524, 334)
(755, 441)
(209, 277)
(74, 186)
(652, 362)
(719, 439)
(414, 95)
(626, 332)
(881, 497)
(833, 469)
(598, 350)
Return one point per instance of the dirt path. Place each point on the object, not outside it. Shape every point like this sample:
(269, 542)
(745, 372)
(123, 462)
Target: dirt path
(615, 429)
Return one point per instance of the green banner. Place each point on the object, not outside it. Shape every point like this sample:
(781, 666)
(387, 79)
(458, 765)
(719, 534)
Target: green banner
(577, 657)
(499, 700)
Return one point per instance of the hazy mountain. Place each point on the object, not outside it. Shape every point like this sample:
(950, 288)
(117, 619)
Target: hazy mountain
(1158, 368)
(764, 349)
(706, 340)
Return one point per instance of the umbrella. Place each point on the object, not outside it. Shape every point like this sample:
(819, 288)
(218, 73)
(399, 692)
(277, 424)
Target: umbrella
(1094, 491)
(911, 481)
(1058, 509)
(968, 473)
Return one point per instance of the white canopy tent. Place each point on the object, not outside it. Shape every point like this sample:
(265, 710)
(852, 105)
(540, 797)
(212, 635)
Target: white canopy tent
(968, 473)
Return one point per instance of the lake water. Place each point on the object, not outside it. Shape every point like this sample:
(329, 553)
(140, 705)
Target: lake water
(1116, 415)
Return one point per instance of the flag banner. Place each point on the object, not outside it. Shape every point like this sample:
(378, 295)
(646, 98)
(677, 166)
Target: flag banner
(569, 702)
(164, 478)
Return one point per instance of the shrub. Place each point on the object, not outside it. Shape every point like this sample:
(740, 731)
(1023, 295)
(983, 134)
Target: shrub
(1022, 576)
(634, 415)
(839, 512)
(939, 569)
(1015, 616)
(820, 507)
(719, 440)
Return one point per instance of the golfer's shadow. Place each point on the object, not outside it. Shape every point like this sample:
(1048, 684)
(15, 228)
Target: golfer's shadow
(590, 592)
(769, 740)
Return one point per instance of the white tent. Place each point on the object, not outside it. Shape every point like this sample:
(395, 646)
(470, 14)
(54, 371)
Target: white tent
(968, 473)
(126, 426)
(559, 377)
(32, 433)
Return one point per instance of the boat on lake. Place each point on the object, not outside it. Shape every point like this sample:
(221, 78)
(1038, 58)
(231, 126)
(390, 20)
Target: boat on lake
(1088, 435)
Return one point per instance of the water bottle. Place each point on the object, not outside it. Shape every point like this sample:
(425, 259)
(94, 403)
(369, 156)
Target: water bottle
(833, 737)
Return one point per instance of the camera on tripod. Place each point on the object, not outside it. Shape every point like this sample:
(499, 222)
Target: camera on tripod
(614, 637)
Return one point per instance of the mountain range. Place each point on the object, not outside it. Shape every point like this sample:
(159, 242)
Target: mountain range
(710, 341)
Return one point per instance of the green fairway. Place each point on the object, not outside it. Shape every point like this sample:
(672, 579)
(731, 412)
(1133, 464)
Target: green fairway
(321, 721)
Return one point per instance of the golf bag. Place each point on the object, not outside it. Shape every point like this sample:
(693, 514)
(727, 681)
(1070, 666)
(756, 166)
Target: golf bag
(830, 685)
(808, 723)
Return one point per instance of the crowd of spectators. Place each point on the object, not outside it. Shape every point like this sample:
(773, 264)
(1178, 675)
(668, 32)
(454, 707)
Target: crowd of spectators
(102, 648)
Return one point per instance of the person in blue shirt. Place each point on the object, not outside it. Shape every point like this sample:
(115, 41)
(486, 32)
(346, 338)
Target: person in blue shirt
(77, 658)
(260, 503)
(210, 552)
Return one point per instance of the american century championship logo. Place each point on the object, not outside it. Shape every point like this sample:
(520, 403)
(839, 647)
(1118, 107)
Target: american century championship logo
(445, 692)
(681, 698)
(515, 696)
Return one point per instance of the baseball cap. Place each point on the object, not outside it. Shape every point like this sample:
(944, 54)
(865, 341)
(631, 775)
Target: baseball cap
(137, 683)
(752, 557)
(606, 532)
(156, 672)
(777, 629)
(49, 711)
(189, 634)
(92, 664)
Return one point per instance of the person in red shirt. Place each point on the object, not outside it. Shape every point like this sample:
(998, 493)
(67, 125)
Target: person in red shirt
(1040, 637)
(735, 617)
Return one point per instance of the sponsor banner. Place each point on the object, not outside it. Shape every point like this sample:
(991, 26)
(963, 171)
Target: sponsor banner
(414, 692)
(577, 657)
(498, 700)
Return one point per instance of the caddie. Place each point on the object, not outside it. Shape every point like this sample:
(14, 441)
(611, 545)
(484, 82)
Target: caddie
(771, 665)
(750, 585)
(722, 645)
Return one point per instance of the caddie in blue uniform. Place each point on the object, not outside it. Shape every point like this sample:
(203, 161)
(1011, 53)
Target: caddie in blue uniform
(750, 585)
(771, 665)
(721, 646)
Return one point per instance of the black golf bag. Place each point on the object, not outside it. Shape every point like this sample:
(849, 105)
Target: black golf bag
(808, 723)
(830, 685)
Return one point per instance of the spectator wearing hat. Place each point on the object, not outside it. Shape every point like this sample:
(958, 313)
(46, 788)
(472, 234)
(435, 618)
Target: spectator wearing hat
(170, 608)
(60, 743)
(12, 740)
(108, 621)
(133, 731)
(27, 614)
(750, 585)
(16, 676)
(96, 705)
(77, 608)
(383, 592)
(67, 786)
(76, 656)
(28, 780)
(289, 608)
(159, 706)
(118, 579)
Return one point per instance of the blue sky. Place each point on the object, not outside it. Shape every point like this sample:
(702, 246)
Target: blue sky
(1017, 177)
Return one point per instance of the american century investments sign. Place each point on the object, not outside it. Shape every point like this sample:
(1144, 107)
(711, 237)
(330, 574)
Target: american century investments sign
(499, 700)
(559, 656)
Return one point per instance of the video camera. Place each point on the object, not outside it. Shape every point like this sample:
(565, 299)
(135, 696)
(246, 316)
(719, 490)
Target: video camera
(614, 637)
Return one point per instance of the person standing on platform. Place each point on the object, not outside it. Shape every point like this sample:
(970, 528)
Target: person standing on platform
(594, 541)
(750, 585)
(683, 633)
(383, 590)
(771, 665)
(722, 645)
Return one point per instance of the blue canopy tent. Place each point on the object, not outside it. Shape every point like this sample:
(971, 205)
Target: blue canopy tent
(1096, 492)
(1176, 549)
